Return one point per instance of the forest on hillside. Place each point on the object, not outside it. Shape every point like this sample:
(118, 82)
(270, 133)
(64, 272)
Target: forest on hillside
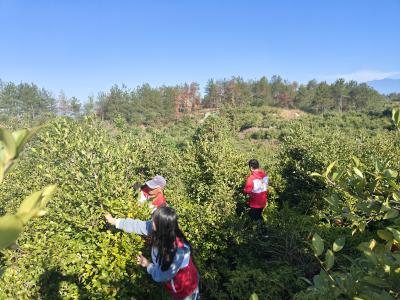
(28, 103)
(331, 151)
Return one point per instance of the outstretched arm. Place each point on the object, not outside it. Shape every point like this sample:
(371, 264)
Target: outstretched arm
(130, 225)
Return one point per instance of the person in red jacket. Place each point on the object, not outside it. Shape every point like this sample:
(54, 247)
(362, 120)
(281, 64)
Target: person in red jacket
(171, 254)
(152, 190)
(257, 188)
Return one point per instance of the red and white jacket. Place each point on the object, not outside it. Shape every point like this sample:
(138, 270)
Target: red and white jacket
(257, 188)
(157, 199)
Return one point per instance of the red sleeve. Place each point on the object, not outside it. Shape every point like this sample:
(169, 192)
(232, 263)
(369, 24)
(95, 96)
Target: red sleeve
(249, 185)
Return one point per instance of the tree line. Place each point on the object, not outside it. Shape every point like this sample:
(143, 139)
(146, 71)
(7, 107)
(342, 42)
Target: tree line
(146, 104)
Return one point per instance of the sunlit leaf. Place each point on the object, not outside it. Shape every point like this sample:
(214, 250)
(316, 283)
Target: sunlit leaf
(392, 213)
(21, 137)
(372, 244)
(30, 206)
(318, 244)
(339, 244)
(396, 233)
(356, 161)
(388, 173)
(10, 228)
(253, 297)
(385, 234)
(7, 139)
(396, 196)
(315, 174)
(329, 259)
(358, 172)
(329, 168)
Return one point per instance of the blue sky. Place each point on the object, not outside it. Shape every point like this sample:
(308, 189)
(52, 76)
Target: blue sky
(83, 47)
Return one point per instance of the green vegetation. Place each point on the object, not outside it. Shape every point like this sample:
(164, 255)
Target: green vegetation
(11, 226)
(333, 213)
(145, 105)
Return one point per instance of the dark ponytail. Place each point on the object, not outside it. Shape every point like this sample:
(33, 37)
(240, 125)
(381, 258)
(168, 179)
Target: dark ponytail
(164, 237)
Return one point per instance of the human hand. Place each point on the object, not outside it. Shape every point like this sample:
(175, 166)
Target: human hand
(136, 185)
(143, 261)
(110, 219)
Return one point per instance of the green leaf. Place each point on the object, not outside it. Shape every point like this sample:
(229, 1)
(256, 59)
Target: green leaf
(318, 282)
(393, 184)
(386, 296)
(379, 282)
(21, 137)
(315, 174)
(253, 297)
(306, 280)
(318, 244)
(329, 259)
(49, 190)
(339, 244)
(396, 117)
(29, 207)
(9, 144)
(329, 168)
(388, 173)
(10, 228)
(33, 205)
(356, 161)
(378, 166)
(1, 172)
(396, 196)
(332, 200)
(385, 235)
(396, 233)
(385, 206)
(335, 175)
(47, 194)
(358, 172)
(392, 213)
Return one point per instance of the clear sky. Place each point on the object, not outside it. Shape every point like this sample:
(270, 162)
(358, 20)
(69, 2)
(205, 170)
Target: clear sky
(84, 47)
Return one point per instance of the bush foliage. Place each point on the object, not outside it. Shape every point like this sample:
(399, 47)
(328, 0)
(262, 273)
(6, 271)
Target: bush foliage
(71, 253)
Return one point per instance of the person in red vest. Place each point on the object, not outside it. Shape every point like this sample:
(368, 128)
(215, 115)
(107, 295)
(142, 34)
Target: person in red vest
(152, 190)
(257, 189)
(171, 254)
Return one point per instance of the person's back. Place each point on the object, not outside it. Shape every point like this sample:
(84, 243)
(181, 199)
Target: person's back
(257, 189)
(171, 254)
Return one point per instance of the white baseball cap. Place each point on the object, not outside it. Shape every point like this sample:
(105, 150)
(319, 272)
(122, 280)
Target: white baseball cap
(157, 181)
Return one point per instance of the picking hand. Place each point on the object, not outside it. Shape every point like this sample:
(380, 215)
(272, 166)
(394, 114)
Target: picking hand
(136, 185)
(143, 261)
(110, 219)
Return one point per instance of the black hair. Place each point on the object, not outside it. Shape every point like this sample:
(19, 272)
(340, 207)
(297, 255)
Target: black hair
(254, 164)
(164, 237)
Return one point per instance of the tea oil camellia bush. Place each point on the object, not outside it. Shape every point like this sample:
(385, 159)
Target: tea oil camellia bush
(71, 253)
(312, 143)
(367, 201)
(72, 240)
(76, 254)
(11, 225)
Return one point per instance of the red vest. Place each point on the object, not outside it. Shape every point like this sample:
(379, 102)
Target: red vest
(186, 280)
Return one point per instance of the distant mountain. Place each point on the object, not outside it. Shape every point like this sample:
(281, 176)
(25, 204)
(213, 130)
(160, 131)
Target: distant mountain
(385, 86)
